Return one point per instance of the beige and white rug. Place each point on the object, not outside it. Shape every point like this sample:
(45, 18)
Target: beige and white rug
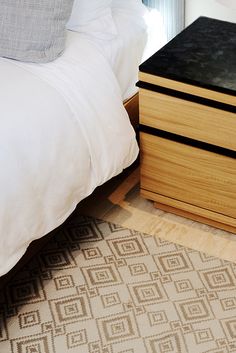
(100, 288)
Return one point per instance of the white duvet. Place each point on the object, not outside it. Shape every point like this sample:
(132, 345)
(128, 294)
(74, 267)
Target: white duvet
(63, 131)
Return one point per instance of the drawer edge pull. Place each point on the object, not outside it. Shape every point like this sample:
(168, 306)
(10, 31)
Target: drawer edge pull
(187, 96)
(187, 141)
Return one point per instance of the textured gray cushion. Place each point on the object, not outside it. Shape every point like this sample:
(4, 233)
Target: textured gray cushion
(33, 30)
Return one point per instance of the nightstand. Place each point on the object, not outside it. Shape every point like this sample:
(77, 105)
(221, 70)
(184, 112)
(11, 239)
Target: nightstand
(187, 104)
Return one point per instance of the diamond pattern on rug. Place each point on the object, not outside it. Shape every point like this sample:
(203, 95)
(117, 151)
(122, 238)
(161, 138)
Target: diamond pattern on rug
(168, 342)
(99, 288)
(117, 328)
(40, 343)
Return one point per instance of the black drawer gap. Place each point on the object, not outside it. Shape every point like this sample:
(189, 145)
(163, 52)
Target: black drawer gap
(187, 97)
(187, 141)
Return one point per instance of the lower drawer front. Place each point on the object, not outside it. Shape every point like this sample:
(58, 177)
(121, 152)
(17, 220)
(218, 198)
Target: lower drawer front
(188, 174)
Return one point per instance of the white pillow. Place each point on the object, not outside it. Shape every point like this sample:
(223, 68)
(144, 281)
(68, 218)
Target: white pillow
(130, 5)
(93, 17)
(134, 9)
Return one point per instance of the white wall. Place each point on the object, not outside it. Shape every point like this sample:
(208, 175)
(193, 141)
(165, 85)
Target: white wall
(220, 9)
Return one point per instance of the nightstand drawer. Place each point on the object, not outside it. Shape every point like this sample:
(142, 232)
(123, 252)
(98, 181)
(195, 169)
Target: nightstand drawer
(188, 174)
(187, 118)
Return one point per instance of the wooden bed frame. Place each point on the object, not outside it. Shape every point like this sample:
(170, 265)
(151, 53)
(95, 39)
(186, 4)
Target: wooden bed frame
(131, 106)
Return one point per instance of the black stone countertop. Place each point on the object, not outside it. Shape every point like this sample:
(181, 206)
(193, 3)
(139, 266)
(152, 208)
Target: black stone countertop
(203, 54)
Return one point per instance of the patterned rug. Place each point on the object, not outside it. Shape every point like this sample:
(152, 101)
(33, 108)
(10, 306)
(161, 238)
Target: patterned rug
(100, 288)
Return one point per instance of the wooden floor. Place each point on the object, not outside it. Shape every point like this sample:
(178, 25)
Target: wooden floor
(118, 201)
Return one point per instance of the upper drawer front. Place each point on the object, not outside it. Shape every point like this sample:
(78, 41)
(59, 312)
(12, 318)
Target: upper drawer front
(186, 118)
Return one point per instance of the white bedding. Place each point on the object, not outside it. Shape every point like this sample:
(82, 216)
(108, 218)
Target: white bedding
(63, 131)
(125, 51)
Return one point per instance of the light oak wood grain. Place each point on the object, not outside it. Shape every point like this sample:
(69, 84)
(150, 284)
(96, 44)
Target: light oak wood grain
(187, 88)
(191, 175)
(132, 107)
(188, 119)
(194, 216)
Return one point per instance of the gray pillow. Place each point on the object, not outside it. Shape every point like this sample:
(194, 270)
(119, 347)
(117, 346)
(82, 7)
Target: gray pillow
(33, 30)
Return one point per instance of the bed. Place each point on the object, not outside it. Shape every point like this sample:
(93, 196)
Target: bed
(64, 130)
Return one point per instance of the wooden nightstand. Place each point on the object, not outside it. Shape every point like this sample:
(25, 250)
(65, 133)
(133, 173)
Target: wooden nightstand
(187, 103)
